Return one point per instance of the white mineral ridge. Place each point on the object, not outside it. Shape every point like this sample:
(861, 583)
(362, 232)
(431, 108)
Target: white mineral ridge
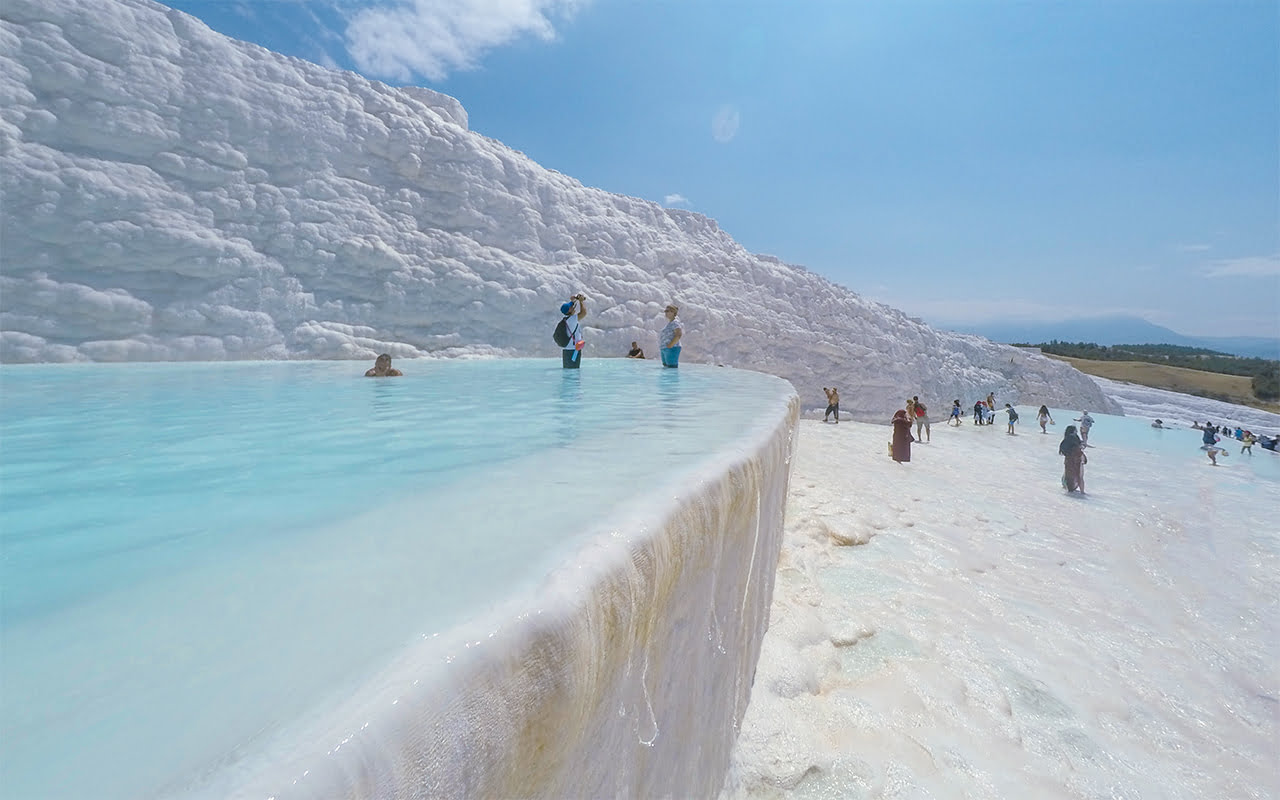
(172, 194)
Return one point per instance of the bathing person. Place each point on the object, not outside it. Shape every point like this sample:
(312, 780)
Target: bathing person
(1086, 422)
(900, 447)
(669, 339)
(1208, 437)
(382, 368)
(1013, 418)
(955, 413)
(573, 310)
(1210, 446)
(1042, 416)
(1074, 459)
(1158, 424)
(922, 418)
(1247, 441)
(635, 351)
(833, 403)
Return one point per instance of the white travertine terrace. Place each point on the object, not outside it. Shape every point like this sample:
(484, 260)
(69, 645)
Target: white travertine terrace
(626, 676)
(172, 194)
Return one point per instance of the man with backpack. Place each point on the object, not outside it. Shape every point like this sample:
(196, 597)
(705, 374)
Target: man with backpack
(922, 418)
(568, 332)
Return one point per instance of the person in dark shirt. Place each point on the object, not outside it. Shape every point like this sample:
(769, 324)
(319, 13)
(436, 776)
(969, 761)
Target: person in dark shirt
(635, 351)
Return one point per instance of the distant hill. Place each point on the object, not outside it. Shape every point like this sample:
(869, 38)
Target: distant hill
(1111, 330)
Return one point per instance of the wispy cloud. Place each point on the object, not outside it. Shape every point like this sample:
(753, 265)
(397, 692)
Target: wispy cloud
(724, 126)
(406, 39)
(675, 200)
(1247, 267)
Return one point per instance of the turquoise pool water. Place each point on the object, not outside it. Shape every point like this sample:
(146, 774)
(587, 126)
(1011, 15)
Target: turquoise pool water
(1179, 443)
(195, 555)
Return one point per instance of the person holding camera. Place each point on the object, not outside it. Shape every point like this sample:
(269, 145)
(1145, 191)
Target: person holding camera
(574, 310)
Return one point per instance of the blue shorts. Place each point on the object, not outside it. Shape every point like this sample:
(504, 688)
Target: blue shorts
(670, 356)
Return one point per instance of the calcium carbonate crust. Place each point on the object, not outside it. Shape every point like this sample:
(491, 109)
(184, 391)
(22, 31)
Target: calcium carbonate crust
(172, 194)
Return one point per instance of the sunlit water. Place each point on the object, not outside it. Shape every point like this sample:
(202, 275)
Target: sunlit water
(196, 555)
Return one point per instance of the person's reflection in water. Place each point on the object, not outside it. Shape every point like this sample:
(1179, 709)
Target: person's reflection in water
(669, 407)
(569, 403)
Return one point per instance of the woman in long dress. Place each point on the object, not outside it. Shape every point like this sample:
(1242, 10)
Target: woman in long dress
(900, 448)
(1074, 459)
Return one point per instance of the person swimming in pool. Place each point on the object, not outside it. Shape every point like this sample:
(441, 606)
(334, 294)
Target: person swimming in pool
(382, 368)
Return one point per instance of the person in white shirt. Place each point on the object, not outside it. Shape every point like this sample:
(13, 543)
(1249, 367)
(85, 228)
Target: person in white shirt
(669, 339)
(1086, 422)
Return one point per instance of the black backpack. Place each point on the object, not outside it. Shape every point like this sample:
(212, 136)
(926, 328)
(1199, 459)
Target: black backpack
(561, 333)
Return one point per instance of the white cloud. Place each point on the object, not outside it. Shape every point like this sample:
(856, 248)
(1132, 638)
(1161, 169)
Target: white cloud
(675, 200)
(432, 38)
(1246, 267)
(724, 126)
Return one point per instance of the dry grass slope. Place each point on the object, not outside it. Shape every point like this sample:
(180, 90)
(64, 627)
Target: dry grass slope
(1230, 388)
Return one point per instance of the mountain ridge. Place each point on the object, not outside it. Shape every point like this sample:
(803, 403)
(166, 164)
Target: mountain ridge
(1117, 329)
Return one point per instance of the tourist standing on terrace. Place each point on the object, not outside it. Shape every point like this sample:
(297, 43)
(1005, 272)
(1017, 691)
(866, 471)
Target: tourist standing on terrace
(900, 447)
(922, 418)
(669, 339)
(1013, 418)
(955, 413)
(1086, 422)
(1072, 452)
(574, 310)
(833, 404)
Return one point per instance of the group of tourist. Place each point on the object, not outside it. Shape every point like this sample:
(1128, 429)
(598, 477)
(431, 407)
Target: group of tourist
(568, 335)
(1212, 435)
(984, 411)
(1074, 440)
(574, 309)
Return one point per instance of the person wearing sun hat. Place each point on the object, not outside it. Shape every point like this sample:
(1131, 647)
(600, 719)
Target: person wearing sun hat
(574, 309)
(669, 339)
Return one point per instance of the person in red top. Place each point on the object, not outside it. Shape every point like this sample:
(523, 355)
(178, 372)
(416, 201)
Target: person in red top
(922, 418)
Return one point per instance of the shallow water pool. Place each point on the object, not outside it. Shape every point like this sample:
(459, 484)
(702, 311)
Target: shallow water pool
(196, 554)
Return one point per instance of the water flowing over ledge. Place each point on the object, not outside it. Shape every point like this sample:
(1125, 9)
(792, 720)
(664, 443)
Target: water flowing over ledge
(626, 675)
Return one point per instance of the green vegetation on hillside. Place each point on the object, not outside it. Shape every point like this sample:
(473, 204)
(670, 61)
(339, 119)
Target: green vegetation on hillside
(1264, 372)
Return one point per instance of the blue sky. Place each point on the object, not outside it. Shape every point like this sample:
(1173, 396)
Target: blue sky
(962, 160)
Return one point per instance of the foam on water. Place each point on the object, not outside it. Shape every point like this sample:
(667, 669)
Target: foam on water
(202, 559)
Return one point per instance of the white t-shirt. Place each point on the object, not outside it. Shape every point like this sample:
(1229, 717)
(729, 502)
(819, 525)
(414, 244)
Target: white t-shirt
(574, 326)
(669, 332)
